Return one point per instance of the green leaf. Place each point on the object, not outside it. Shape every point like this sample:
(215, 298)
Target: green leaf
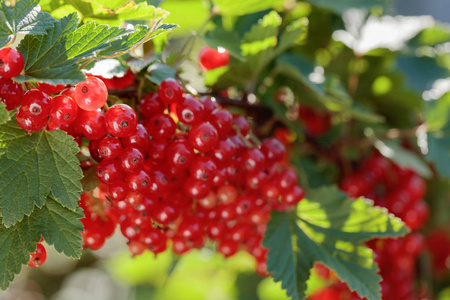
(131, 41)
(35, 166)
(111, 4)
(342, 5)
(60, 227)
(403, 157)
(4, 114)
(57, 225)
(53, 57)
(159, 72)
(437, 111)
(198, 13)
(439, 150)
(330, 228)
(141, 11)
(219, 37)
(239, 8)
(258, 48)
(23, 18)
(286, 264)
(90, 181)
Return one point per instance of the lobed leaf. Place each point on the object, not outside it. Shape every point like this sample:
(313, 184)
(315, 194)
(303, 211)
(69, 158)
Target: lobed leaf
(58, 225)
(330, 229)
(35, 166)
(53, 57)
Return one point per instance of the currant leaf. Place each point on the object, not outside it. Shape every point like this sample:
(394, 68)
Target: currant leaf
(58, 225)
(32, 167)
(4, 114)
(53, 57)
(23, 18)
(329, 228)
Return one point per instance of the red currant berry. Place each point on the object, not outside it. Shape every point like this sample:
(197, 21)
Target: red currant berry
(161, 127)
(138, 181)
(170, 91)
(203, 137)
(196, 188)
(131, 160)
(36, 104)
(242, 124)
(121, 120)
(109, 147)
(190, 111)
(253, 160)
(179, 154)
(93, 240)
(11, 62)
(151, 105)
(209, 104)
(118, 190)
(208, 202)
(213, 58)
(227, 194)
(108, 171)
(228, 247)
(38, 257)
(93, 150)
(223, 121)
(64, 110)
(11, 93)
(203, 168)
(191, 228)
(69, 92)
(293, 196)
(91, 94)
(91, 124)
(273, 150)
(164, 214)
(136, 248)
(139, 140)
(153, 238)
(29, 123)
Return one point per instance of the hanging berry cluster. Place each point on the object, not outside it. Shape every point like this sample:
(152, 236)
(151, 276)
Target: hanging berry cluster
(401, 191)
(192, 181)
(183, 173)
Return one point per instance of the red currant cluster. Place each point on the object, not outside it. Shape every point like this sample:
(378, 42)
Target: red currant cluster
(401, 191)
(184, 172)
(199, 179)
(438, 243)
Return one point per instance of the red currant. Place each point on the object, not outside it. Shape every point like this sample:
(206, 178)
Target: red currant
(38, 257)
(11, 62)
(64, 110)
(11, 93)
(121, 120)
(91, 94)
(170, 91)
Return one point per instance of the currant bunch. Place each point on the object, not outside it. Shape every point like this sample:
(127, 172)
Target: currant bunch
(180, 176)
(401, 191)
